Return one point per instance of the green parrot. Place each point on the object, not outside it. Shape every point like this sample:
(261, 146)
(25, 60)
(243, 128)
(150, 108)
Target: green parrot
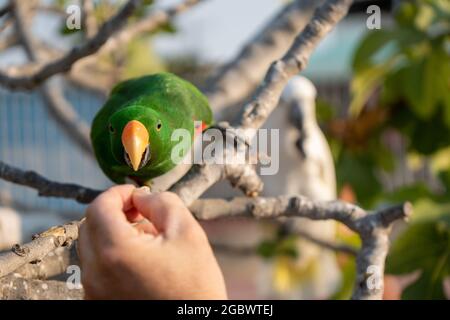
(132, 133)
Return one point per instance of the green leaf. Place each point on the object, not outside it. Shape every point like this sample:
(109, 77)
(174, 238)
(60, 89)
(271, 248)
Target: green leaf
(447, 110)
(141, 59)
(444, 176)
(407, 193)
(424, 247)
(266, 249)
(441, 63)
(419, 86)
(348, 273)
(426, 209)
(366, 81)
(425, 287)
(383, 156)
(324, 111)
(406, 13)
(358, 170)
(369, 46)
(281, 246)
(428, 136)
(424, 18)
(168, 27)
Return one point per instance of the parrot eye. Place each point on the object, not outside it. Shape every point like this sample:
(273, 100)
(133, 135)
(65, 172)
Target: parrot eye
(111, 129)
(158, 125)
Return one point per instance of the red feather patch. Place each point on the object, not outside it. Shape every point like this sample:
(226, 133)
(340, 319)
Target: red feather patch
(199, 128)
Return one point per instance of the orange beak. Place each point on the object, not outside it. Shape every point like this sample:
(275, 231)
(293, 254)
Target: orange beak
(135, 140)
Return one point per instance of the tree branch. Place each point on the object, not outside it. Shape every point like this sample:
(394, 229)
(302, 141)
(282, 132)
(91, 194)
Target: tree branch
(351, 215)
(45, 187)
(14, 287)
(293, 62)
(252, 250)
(373, 228)
(5, 9)
(145, 25)
(40, 247)
(269, 92)
(337, 247)
(149, 24)
(8, 41)
(238, 78)
(59, 108)
(109, 37)
(53, 264)
(64, 63)
(66, 116)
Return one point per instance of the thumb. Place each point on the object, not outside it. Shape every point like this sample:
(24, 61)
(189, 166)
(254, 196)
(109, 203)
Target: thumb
(165, 210)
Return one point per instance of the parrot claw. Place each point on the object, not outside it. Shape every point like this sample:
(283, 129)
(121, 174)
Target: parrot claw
(139, 183)
(252, 194)
(149, 184)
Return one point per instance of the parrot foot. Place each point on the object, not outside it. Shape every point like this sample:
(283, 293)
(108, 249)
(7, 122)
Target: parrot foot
(149, 184)
(139, 183)
(252, 194)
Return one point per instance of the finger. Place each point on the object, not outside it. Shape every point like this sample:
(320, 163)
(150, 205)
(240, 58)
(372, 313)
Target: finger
(106, 217)
(146, 226)
(165, 210)
(133, 215)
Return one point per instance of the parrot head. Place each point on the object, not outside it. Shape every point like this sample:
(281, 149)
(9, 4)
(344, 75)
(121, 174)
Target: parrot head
(136, 136)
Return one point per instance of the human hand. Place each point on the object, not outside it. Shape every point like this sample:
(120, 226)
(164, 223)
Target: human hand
(166, 257)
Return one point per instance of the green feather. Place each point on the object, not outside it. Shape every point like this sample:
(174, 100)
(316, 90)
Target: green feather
(160, 98)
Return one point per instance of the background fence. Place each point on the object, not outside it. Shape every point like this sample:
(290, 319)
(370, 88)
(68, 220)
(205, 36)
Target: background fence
(30, 139)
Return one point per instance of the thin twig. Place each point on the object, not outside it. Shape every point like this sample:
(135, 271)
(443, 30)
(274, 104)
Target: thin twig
(337, 247)
(45, 187)
(37, 249)
(5, 9)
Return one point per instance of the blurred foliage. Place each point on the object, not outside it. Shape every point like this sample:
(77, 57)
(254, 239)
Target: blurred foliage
(401, 99)
(289, 270)
(280, 245)
(141, 59)
(424, 247)
(288, 274)
(346, 263)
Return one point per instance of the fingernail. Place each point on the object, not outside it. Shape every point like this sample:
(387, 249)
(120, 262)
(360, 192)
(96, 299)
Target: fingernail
(144, 189)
